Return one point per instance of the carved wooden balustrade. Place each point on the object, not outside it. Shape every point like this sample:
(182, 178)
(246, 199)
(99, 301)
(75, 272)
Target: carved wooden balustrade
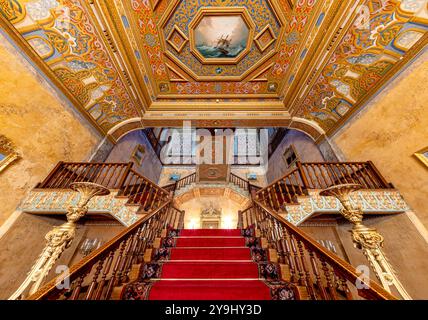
(114, 176)
(95, 276)
(319, 176)
(238, 181)
(324, 275)
(183, 182)
(142, 191)
(109, 175)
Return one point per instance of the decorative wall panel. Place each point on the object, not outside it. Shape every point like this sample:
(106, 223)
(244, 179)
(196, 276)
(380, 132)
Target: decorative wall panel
(57, 202)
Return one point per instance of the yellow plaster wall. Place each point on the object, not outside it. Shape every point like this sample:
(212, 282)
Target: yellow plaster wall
(390, 130)
(42, 126)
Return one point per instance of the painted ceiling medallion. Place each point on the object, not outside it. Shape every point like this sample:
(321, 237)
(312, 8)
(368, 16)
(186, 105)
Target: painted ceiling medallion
(177, 39)
(220, 44)
(221, 35)
(265, 38)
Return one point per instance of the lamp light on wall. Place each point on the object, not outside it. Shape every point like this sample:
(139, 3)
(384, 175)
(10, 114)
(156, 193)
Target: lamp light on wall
(174, 176)
(252, 176)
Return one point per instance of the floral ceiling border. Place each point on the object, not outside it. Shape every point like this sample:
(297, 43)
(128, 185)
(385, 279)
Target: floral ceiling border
(81, 58)
(63, 36)
(365, 59)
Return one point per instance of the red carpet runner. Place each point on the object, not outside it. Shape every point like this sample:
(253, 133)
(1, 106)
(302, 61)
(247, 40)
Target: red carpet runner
(205, 265)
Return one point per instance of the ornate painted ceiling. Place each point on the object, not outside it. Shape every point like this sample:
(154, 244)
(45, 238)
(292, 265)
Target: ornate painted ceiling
(131, 63)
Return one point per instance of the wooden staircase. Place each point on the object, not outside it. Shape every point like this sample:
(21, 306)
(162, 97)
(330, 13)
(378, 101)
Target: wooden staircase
(302, 262)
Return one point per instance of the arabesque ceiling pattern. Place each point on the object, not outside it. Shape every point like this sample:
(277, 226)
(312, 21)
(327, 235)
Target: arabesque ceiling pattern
(119, 60)
(363, 59)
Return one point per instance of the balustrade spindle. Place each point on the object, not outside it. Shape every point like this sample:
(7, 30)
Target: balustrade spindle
(318, 279)
(94, 280)
(329, 279)
(327, 276)
(106, 271)
(78, 286)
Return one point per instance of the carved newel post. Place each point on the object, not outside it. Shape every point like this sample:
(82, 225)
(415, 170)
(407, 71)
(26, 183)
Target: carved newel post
(366, 239)
(60, 238)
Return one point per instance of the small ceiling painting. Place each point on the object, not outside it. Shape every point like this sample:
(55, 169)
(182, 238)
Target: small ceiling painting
(221, 36)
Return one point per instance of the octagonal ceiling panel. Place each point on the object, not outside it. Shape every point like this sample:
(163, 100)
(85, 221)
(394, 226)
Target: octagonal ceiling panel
(221, 44)
(221, 38)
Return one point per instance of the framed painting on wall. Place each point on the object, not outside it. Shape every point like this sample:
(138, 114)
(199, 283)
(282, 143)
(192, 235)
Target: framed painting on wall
(290, 156)
(8, 153)
(138, 154)
(422, 155)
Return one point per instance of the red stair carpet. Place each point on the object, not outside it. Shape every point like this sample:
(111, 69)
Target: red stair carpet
(203, 264)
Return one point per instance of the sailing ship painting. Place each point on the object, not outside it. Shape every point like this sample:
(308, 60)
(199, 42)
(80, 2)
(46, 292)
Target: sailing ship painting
(221, 36)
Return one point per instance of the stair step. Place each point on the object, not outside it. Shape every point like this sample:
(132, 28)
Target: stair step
(210, 242)
(210, 232)
(210, 270)
(210, 254)
(210, 290)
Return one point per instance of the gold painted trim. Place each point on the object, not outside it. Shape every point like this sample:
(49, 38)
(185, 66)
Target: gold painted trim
(421, 32)
(190, 72)
(277, 12)
(8, 149)
(154, 4)
(7, 161)
(269, 29)
(221, 11)
(195, 106)
(420, 155)
(125, 44)
(215, 96)
(178, 73)
(181, 33)
(333, 20)
(114, 49)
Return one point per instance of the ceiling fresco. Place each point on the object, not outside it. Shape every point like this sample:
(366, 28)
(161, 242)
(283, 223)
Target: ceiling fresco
(119, 60)
(364, 57)
(62, 34)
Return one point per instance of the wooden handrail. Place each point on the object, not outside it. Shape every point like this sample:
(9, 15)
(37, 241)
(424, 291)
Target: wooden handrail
(240, 182)
(187, 180)
(124, 249)
(319, 175)
(289, 241)
(120, 176)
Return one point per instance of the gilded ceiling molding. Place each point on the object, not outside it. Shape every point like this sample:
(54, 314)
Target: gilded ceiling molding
(396, 69)
(328, 26)
(33, 57)
(311, 128)
(125, 127)
(63, 39)
(110, 23)
(119, 60)
(379, 41)
(8, 152)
